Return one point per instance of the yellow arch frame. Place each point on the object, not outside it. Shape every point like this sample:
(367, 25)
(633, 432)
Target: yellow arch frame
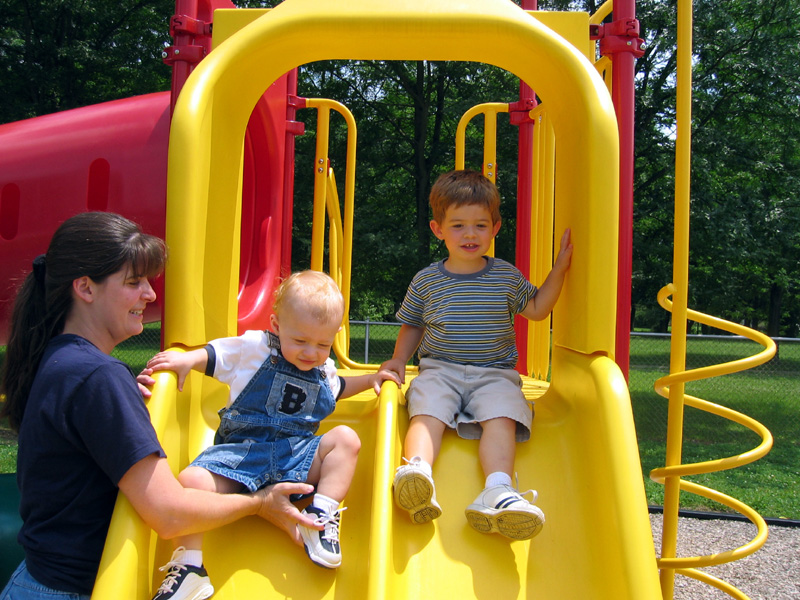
(205, 156)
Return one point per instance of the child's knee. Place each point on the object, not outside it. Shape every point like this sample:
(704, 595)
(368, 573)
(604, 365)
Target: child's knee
(346, 438)
(197, 478)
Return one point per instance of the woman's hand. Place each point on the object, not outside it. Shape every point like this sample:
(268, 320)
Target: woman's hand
(278, 509)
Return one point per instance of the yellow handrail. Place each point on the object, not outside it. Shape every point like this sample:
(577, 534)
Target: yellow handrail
(489, 111)
(602, 12)
(326, 201)
(674, 472)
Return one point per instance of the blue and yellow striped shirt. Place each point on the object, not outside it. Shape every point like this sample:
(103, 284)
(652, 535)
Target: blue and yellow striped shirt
(468, 319)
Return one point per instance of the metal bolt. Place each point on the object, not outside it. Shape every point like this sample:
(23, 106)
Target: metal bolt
(177, 51)
(164, 54)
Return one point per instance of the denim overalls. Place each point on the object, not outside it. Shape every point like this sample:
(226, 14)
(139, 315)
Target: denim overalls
(267, 434)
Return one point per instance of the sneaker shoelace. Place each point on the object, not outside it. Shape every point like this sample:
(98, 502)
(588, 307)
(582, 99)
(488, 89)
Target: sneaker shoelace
(331, 523)
(534, 494)
(173, 573)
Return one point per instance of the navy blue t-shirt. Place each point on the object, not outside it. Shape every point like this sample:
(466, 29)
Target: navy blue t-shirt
(84, 426)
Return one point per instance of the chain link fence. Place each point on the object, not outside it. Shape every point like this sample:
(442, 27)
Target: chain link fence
(769, 393)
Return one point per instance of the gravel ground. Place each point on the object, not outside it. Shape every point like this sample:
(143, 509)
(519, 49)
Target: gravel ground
(772, 573)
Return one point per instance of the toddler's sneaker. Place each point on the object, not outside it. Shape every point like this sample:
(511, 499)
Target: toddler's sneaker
(184, 582)
(503, 509)
(414, 492)
(323, 546)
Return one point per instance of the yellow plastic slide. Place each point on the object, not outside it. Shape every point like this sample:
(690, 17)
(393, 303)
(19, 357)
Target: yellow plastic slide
(583, 457)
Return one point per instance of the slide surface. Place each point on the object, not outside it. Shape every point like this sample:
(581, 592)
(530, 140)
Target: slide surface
(582, 459)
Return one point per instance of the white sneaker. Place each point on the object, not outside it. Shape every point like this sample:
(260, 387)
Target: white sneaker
(323, 547)
(503, 509)
(414, 492)
(184, 582)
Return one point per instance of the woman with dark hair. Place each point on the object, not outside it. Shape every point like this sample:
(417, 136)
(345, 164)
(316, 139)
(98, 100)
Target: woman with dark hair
(84, 431)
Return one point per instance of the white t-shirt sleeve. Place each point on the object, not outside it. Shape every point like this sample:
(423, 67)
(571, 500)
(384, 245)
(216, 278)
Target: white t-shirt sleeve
(237, 359)
(333, 379)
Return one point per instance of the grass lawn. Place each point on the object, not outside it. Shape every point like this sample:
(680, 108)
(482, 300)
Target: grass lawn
(769, 394)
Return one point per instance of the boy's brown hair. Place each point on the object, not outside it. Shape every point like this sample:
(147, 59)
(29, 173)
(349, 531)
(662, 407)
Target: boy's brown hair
(463, 187)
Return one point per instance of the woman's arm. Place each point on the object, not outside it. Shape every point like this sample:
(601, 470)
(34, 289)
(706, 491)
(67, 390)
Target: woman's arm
(172, 510)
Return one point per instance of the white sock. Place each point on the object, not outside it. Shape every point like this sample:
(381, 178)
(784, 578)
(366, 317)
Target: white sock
(422, 464)
(189, 557)
(498, 478)
(329, 505)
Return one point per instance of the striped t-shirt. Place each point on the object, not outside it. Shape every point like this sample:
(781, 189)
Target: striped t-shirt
(468, 319)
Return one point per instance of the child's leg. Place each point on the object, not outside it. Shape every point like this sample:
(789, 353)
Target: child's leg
(199, 479)
(335, 462)
(500, 507)
(332, 470)
(186, 576)
(424, 438)
(413, 482)
(498, 446)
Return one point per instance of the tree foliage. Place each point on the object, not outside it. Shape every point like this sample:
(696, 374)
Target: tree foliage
(745, 160)
(745, 229)
(62, 54)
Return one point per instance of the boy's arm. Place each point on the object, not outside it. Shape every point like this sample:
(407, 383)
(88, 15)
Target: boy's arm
(408, 341)
(358, 383)
(179, 362)
(541, 305)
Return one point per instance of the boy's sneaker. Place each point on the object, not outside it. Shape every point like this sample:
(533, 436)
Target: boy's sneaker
(184, 582)
(503, 509)
(323, 546)
(414, 491)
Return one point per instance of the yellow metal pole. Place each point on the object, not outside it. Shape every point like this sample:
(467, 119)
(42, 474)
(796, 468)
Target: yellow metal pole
(680, 278)
(489, 111)
(320, 188)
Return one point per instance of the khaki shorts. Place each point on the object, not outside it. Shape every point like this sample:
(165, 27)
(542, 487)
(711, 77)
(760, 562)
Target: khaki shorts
(463, 396)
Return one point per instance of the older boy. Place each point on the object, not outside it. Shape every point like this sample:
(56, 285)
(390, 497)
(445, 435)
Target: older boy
(459, 313)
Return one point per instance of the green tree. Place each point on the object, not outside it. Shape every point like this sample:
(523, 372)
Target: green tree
(744, 244)
(57, 55)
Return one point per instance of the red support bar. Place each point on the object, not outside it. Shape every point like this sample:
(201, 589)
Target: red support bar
(620, 40)
(519, 116)
(185, 24)
(190, 54)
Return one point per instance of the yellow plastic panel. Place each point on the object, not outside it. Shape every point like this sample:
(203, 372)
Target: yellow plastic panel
(572, 26)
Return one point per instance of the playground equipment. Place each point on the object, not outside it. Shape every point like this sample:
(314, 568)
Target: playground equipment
(228, 223)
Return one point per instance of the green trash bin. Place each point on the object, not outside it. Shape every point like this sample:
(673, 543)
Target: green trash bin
(10, 551)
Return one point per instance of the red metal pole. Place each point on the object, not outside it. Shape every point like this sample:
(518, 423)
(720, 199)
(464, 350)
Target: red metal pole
(519, 116)
(621, 42)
